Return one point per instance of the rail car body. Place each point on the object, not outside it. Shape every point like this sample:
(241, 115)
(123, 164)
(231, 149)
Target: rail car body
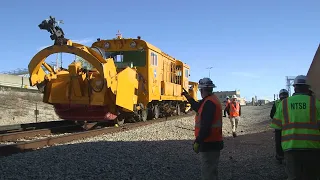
(130, 80)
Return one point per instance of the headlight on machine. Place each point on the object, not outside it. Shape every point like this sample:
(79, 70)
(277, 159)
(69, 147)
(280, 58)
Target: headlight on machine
(133, 44)
(98, 83)
(107, 45)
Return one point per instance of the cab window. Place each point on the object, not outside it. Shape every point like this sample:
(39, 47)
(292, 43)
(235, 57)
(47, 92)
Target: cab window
(130, 58)
(186, 73)
(154, 59)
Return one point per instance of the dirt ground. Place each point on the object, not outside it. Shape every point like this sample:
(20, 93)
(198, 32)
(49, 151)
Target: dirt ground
(18, 107)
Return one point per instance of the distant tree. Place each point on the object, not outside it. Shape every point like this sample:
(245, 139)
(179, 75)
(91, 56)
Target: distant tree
(85, 64)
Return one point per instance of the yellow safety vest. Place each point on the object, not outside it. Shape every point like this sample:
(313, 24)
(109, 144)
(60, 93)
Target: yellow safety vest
(299, 118)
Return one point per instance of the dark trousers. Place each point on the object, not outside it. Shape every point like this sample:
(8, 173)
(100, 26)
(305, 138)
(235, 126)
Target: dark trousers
(302, 165)
(225, 112)
(277, 138)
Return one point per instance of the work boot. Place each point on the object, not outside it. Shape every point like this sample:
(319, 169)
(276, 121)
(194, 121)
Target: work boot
(234, 134)
(279, 158)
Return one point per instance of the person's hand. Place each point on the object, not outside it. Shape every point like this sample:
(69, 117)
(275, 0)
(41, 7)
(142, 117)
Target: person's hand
(196, 147)
(185, 93)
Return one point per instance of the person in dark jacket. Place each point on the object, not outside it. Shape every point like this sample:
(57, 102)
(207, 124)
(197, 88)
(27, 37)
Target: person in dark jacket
(226, 105)
(277, 133)
(208, 128)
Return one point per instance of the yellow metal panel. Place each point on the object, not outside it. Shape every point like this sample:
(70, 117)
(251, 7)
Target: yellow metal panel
(169, 89)
(37, 78)
(58, 89)
(76, 88)
(178, 90)
(176, 98)
(110, 73)
(127, 85)
(74, 82)
(163, 88)
(193, 91)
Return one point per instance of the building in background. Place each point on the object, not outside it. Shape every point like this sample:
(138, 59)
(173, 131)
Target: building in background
(263, 101)
(223, 94)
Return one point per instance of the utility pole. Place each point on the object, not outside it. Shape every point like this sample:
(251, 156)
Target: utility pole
(209, 70)
(289, 82)
(58, 23)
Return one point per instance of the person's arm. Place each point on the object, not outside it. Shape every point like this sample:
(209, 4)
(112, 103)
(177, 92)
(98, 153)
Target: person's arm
(194, 104)
(239, 109)
(207, 115)
(278, 118)
(273, 110)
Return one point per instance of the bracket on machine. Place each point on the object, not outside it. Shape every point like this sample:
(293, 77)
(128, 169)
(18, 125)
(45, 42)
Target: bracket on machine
(56, 32)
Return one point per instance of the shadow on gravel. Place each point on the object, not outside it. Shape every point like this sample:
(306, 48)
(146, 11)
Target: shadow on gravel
(265, 123)
(245, 157)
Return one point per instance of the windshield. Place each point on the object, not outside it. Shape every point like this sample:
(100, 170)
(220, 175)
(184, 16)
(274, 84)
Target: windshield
(128, 58)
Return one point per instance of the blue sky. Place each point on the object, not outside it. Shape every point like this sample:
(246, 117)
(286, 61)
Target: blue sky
(251, 45)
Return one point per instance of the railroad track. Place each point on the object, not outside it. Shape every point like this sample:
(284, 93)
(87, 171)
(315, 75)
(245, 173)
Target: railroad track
(10, 143)
(33, 126)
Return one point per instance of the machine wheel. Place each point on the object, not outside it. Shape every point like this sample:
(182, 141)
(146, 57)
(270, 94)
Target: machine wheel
(178, 110)
(119, 120)
(153, 112)
(156, 112)
(143, 115)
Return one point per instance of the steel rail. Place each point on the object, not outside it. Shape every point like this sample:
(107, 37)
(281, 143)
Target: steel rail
(32, 126)
(41, 132)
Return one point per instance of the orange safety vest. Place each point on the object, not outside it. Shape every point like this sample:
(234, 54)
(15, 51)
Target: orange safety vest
(234, 109)
(216, 129)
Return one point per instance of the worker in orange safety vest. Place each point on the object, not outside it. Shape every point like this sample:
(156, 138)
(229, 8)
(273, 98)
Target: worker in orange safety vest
(225, 109)
(208, 128)
(234, 111)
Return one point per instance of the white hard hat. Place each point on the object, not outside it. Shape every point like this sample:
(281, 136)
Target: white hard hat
(234, 97)
(206, 83)
(283, 91)
(300, 80)
(227, 97)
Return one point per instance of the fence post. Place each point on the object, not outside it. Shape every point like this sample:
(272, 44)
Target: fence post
(36, 112)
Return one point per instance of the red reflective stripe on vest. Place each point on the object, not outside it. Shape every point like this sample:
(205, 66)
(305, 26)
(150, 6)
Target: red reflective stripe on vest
(216, 128)
(234, 109)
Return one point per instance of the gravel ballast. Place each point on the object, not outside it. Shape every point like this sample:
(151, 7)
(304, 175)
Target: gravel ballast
(158, 151)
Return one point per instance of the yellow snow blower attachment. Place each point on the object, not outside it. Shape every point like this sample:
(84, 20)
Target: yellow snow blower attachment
(78, 93)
